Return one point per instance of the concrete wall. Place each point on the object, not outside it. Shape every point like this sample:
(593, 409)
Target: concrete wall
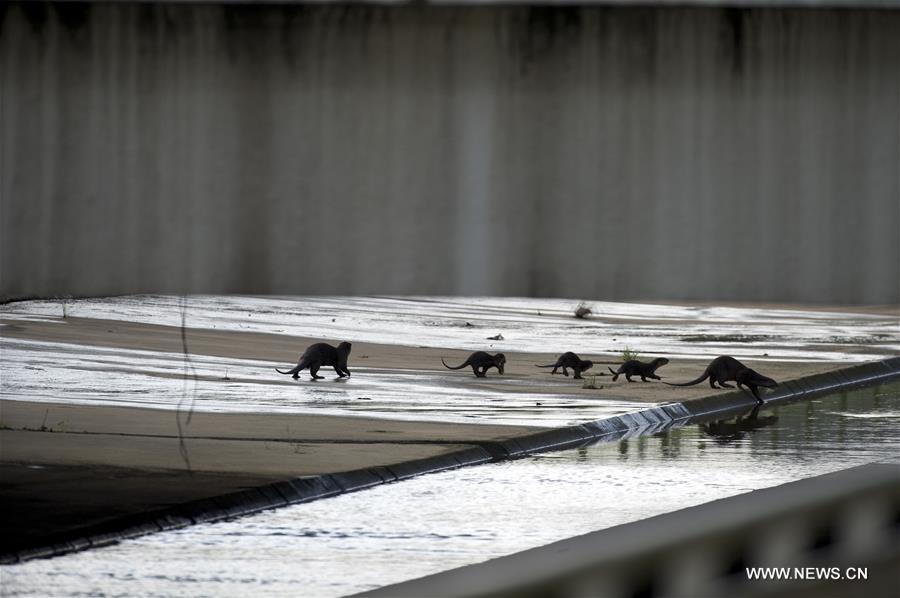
(597, 153)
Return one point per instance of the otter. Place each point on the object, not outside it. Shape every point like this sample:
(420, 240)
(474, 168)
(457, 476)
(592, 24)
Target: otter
(321, 354)
(570, 360)
(724, 368)
(480, 360)
(633, 367)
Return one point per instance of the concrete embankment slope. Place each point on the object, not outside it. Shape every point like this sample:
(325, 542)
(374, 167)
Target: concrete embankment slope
(69, 467)
(82, 452)
(470, 447)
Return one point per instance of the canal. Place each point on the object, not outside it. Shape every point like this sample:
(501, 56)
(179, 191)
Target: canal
(400, 531)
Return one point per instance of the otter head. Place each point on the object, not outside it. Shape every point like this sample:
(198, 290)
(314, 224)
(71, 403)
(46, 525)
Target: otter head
(587, 364)
(500, 360)
(659, 362)
(749, 376)
(765, 381)
(344, 348)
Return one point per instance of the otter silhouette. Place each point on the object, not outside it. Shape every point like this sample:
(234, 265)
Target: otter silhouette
(321, 354)
(725, 368)
(633, 367)
(570, 360)
(479, 360)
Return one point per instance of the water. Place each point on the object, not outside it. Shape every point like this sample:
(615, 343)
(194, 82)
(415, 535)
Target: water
(80, 373)
(527, 325)
(436, 522)
(83, 374)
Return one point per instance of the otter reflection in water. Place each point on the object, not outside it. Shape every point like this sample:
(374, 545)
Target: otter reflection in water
(726, 431)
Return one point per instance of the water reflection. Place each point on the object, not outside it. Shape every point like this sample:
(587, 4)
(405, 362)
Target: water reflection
(726, 431)
(394, 532)
(802, 426)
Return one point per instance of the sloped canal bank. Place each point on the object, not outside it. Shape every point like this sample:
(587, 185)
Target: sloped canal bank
(431, 523)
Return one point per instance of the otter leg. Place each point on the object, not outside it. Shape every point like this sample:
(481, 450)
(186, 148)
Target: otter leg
(565, 372)
(554, 369)
(313, 368)
(654, 376)
(477, 373)
(628, 377)
(643, 378)
(755, 392)
(301, 365)
(712, 382)
(337, 370)
(346, 371)
(577, 373)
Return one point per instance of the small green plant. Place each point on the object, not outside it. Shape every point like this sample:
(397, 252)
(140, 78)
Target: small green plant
(583, 310)
(628, 354)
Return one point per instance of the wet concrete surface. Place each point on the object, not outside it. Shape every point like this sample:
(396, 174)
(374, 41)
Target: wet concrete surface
(128, 351)
(393, 532)
(107, 386)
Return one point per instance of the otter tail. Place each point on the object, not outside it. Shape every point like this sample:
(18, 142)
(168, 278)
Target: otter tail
(293, 371)
(702, 377)
(545, 366)
(459, 367)
(614, 373)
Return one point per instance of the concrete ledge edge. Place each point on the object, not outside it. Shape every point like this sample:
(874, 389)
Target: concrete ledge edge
(657, 419)
(306, 489)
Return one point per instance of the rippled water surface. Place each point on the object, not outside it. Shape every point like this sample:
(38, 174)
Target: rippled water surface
(59, 372)
(399, 531)
(48, 371)
(532, 325)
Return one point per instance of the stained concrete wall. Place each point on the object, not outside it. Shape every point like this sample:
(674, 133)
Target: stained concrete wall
(603, 153)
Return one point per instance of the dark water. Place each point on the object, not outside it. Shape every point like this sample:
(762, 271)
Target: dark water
(436, 522)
